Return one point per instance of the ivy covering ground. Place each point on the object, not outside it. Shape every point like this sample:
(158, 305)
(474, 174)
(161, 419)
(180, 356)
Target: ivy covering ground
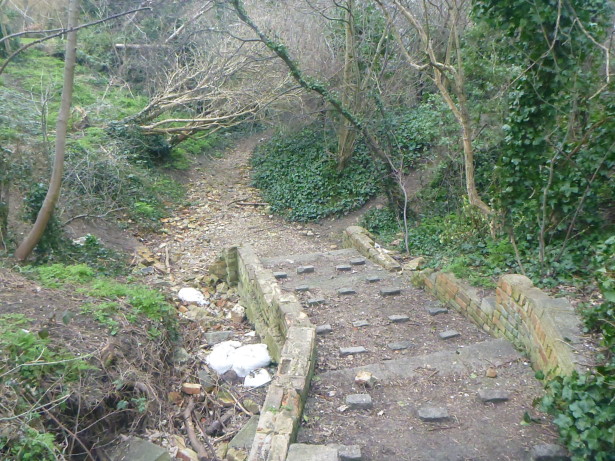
(298, 176)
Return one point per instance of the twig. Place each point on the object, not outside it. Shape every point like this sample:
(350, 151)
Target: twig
(86, 215)
(71, 433)
(441, 428)
(241, 407)
(194, 441)
(167, 260)
(251, 204)
(513, 241)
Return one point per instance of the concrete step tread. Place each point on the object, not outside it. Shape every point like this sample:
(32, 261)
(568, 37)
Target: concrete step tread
(463, 360)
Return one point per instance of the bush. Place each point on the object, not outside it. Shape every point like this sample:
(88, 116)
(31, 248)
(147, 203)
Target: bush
(298, 176)
(383, 223)
(53, 238)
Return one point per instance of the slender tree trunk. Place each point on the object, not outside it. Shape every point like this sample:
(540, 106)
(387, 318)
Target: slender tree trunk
(3, 29)
(346, 135)
(55, 184)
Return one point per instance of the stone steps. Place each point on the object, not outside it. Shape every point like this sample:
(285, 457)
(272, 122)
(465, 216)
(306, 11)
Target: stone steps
(430, 363)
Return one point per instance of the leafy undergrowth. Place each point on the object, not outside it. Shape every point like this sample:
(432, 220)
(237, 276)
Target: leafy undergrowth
(32, 370)
(89, 367)
(456, 243)
(584, 404)
(299, 178)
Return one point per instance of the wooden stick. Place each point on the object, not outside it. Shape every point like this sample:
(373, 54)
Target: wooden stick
(194, 441)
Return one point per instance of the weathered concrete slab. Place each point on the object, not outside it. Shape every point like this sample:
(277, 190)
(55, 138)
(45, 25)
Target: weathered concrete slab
(360, 323)
(136, 449)
(348, 452)
(315, 301)
(449, 334)
(305, 269)
(470, 358)
(398, 318)
(323, 329)
(493, 395)
(433, 414)
(390, 291)
(549, 452)
(305, 452)
(400, 345)
(244, 438)
(215, 337)
(345, 351)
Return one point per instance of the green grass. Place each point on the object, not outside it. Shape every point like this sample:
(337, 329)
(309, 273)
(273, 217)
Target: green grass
(111, 297)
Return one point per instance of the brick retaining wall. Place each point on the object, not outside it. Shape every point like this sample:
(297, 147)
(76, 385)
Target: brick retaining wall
(291, 339)
(546, 328)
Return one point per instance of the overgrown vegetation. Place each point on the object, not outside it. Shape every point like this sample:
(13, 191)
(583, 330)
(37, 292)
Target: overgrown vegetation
(45, 385)
(112, 299)
(112, 169)
(298, 176)
(36, 376)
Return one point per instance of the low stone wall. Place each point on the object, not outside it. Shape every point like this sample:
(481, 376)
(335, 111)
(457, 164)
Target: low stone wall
(360, 239)
(545, 328)
(291, 339)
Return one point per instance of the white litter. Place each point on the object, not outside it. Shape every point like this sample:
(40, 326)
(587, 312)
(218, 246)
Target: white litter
(242, 359)
(257, 378)
(250, 357)
(221, 357)
(192, 296)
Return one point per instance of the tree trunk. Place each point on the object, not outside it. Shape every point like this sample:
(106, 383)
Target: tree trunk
(346, 135)
(3, 29)
(55, 184)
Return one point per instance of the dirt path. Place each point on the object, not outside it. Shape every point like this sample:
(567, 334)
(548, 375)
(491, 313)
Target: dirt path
(221, 214)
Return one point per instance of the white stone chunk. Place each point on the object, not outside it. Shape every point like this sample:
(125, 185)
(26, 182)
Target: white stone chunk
(250, 357)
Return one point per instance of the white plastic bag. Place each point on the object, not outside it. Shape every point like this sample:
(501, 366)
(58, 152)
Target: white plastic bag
(192, 296)
(257, 378)
(221, 357)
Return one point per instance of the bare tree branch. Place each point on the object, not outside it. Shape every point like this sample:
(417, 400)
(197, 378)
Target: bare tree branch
(62, 32)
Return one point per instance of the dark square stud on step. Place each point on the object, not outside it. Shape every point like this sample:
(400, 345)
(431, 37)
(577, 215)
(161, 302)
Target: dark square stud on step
(305, 269)
(399, 318)
(280, 275)
(315, 301)
(357, 261)
(390, 291)
(372, 279)
(346, 291)
(343, 268)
